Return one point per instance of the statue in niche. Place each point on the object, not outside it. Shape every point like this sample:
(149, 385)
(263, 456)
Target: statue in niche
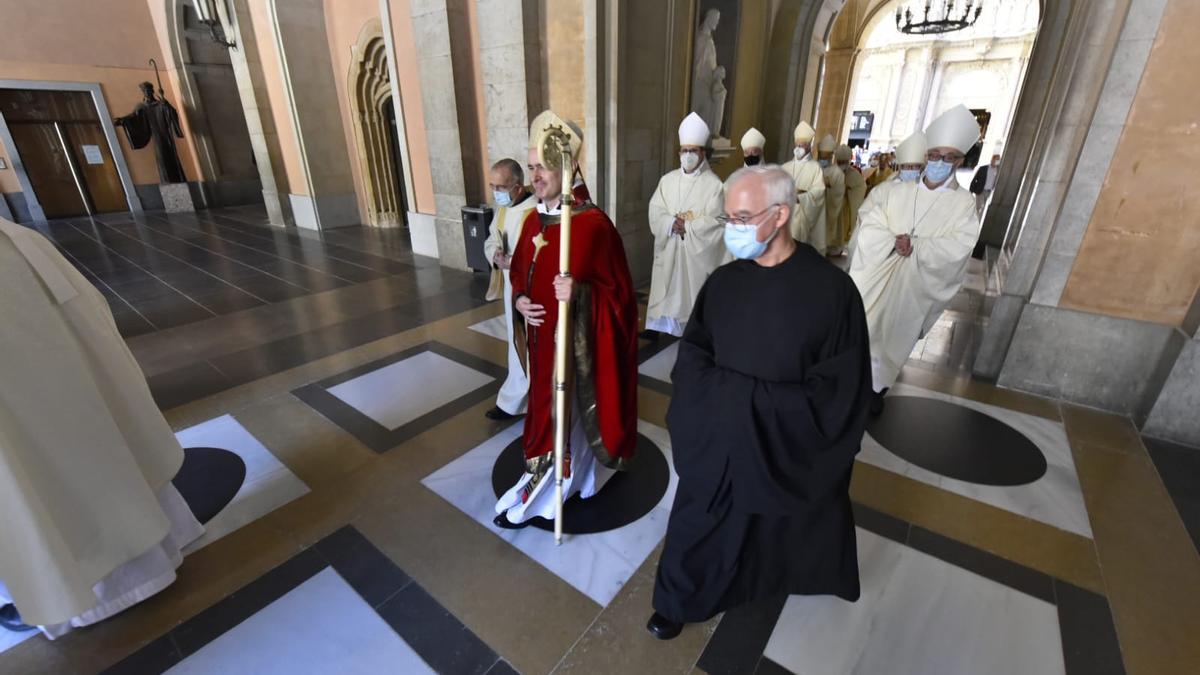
(155, 119)
(707, 76)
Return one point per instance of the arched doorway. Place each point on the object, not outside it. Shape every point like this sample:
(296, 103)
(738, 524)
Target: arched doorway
(376, 130)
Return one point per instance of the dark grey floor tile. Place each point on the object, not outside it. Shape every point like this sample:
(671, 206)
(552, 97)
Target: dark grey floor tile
(737, 645)
(368, 571)
(435, 634)
(880, 523)
(1011, 574)
(1089, 638)
(502, 667)
(189, 383)
(245, 602)
(768, 667)
(157, 657)
(1179, 467)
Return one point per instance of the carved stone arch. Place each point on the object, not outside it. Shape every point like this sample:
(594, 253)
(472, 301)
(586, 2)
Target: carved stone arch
(370, 89)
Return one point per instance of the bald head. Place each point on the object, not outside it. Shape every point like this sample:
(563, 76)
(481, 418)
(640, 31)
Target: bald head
(762, 196)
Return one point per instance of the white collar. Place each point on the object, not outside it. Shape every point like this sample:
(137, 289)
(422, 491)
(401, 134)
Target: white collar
(541, 207)
(950, 184)
(700, 169)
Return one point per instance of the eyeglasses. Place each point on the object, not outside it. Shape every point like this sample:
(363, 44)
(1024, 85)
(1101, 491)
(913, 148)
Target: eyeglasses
(726, 219)
(937, 157)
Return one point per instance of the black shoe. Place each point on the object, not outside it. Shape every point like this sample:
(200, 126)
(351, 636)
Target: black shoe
(877, 402)
(498, 414)
(651, 335)
(10, 619)
(501, 521)
(663, 628)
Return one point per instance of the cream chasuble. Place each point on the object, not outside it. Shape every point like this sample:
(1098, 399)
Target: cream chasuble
(835, 199)
(904, 296)
(856, 192)
(506, 232)
(683, 263)
(810, 201)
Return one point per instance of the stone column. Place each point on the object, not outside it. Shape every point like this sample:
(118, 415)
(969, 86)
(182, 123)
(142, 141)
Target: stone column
(256, 106)
(443, 125)
(502, 57)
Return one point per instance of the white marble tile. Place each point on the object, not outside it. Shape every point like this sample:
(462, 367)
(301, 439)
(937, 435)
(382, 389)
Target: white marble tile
(1055, 499)
(917, 615)
(397, 394)
(597, 565)
(660, 365)
(269, 483)
(493, 327)
(9, 639)
(321, 626)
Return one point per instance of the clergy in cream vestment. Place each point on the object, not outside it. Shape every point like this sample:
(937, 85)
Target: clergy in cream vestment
(753, 143)
(856, 192)
(810, 188)
(688, 240)
(835, 196)
(513, 204)
(912, 247)
(91, 524)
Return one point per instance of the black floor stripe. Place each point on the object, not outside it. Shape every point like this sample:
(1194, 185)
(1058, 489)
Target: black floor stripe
(375, 435)
(435, 634)
(1179, 467)
(1089, 638)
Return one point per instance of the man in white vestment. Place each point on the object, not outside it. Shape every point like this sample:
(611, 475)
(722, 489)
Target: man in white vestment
(688, 240)
(912, 248)
(91, 524)
(910, 158)
(835, 195)
(753, 143)
(513, 202)
(810, 190)
(856, 192)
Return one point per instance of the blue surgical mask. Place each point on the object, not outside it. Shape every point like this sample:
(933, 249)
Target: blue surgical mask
(824, 163)
(938, 171)
(742, 241)
(909, 175)
(502, 198)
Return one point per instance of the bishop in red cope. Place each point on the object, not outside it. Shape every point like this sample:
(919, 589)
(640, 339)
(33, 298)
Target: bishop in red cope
(603, 429)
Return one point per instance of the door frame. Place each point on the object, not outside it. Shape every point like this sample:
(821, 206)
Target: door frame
(110, 134)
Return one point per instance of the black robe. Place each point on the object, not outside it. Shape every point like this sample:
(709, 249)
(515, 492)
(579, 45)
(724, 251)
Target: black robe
(772, 385)
(156, 121)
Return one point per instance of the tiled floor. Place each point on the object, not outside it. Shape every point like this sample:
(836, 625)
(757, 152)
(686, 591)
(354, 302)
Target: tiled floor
(351, 377)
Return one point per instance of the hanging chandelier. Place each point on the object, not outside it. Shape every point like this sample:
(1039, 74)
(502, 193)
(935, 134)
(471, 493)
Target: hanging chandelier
(954, 15)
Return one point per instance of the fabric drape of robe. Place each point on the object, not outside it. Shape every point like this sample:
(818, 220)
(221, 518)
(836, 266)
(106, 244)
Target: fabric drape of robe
(606, 334)
(878, 177)
(683, 263)
(83, 447)
(810, 201)
(515, 390)
(856, 192)
(770, 405)
(903, 296)
(835, 201)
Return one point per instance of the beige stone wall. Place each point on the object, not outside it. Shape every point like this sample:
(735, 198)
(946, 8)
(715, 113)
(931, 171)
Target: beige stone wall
(94, 42)
(1139, 255)
(753, 34)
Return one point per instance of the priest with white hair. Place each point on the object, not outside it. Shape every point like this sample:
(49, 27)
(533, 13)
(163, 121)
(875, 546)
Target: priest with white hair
(806, 173)
(688, 242)
(912, 247)
(752, 147)
(835, 195)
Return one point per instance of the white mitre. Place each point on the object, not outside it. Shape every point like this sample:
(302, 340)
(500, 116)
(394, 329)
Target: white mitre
(693, 131)
(803, 132)
(911, 150)
(956, 128)
(827, 144)
(753, 139)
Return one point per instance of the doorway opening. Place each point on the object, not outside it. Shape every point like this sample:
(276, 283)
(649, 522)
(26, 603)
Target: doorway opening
(376, 130)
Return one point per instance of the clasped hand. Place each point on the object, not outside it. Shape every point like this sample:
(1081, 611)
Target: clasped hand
(904, 245)
(535, 315)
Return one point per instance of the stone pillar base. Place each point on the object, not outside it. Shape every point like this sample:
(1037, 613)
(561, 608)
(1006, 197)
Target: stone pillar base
(176, 197)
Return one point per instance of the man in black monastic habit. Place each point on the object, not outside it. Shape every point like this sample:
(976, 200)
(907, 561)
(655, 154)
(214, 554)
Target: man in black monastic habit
(772, 386)
(155, 119)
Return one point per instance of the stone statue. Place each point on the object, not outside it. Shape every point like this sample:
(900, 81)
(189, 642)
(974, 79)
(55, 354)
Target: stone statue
(705, 75)
(719, 92)
(155, 119)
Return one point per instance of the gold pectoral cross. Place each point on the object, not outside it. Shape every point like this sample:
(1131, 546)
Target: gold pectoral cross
(538, 242)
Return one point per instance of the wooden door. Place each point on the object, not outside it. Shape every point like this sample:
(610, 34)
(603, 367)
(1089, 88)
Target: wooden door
(49, 169)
